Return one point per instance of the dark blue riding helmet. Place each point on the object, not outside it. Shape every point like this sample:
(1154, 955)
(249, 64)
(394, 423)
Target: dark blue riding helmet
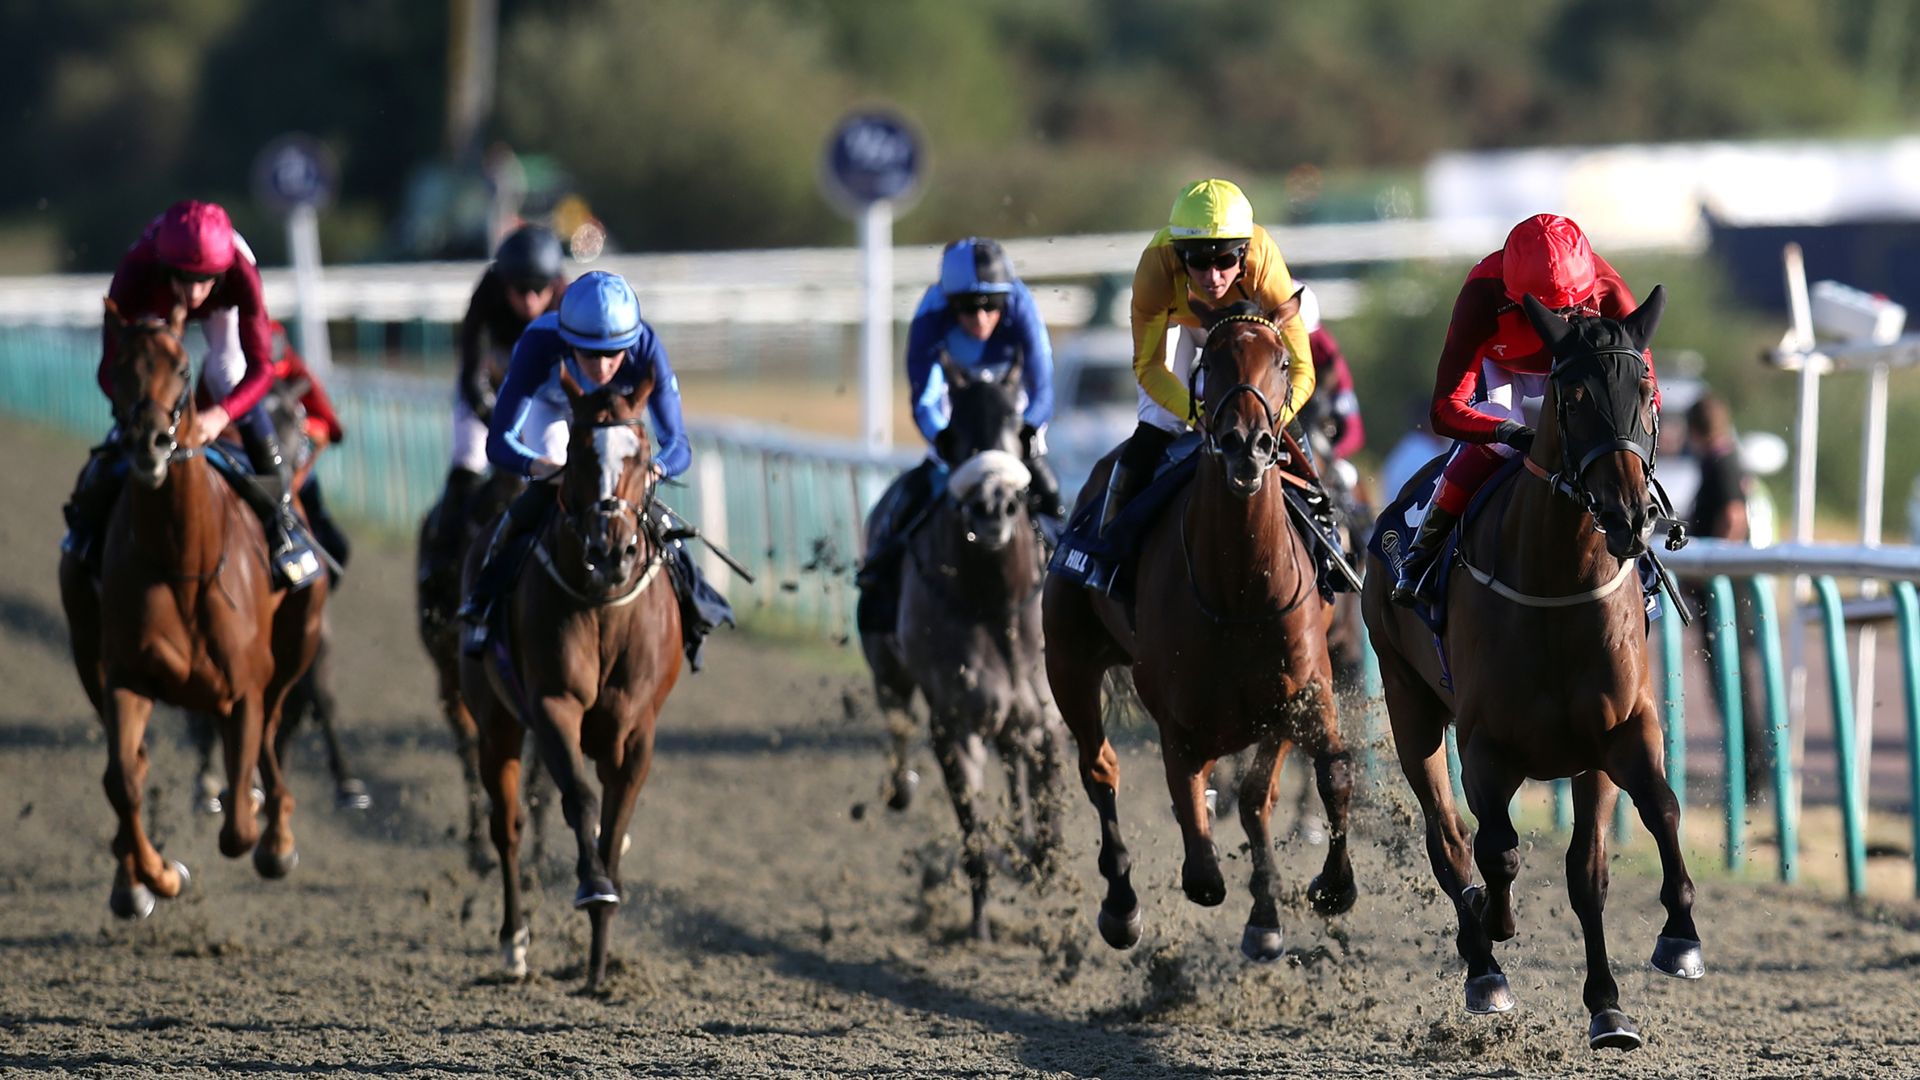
(975, 265)
(599, 313)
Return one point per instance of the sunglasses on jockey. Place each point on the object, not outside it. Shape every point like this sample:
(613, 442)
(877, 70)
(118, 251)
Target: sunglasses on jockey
(975, 303)
(188, 278)
(1213, 259)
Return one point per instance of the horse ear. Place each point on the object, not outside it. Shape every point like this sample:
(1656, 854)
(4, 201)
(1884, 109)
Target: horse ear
(957, 376)
(641, 391)
(1289, 307)
(1010, 378)
(568, 384)
(1646, 318)
(1552, 328)
(116, 322)
(177, 321)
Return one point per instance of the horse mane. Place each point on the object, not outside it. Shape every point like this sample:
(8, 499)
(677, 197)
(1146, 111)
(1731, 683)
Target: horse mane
(988, 465)
(1592, 333)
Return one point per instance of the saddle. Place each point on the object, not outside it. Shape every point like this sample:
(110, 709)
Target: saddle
(1104, 562)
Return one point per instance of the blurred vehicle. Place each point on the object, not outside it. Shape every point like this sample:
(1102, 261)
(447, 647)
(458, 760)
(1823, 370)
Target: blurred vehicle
(1095, 402)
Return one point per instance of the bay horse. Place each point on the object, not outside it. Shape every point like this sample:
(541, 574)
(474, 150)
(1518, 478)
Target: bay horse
(588, 650)
(1542, 666)
(440, 636)
(194, 619)
(967, 633)
(1230, 649)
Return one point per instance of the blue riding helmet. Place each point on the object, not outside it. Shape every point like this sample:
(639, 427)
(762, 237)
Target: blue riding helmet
(600, 313)
(974, 265)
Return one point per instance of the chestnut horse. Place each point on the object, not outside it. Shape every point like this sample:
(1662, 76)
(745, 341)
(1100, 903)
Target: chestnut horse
(1230, 650)
(588, 648)
(195, 620)
(1548, 658)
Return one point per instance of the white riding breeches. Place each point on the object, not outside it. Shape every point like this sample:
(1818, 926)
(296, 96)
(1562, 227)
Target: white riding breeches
(1183, 346)
(544, 427)
(225, 365)
(469, 437)
(1510, 395)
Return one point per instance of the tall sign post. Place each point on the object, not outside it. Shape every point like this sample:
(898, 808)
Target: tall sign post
(294, 176)
(873, 161)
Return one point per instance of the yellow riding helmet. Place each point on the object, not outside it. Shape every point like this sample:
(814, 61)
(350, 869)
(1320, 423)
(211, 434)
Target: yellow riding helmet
(1211, 210)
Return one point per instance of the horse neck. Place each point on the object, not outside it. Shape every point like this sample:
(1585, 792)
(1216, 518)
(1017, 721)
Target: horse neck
(1239, 548)
(1549, 545)
(181, 517)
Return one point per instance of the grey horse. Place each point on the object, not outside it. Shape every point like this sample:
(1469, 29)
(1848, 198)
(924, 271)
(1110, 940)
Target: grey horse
(967, 634)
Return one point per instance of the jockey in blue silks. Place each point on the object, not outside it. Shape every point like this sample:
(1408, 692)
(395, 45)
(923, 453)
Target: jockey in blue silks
(980, 317)
(599, 335)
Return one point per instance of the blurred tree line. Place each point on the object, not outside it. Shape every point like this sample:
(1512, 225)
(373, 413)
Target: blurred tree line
(698, 124)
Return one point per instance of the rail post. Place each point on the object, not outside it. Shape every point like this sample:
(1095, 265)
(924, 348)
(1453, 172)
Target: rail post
(1906, 600)
(1675, 672)
(1839, 680)
(1786, 793)
(1726, 672)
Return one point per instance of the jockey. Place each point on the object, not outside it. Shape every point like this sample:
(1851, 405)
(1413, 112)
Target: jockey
(599, 335)
(980, 317)
(1333, 380)
(1211, 252)
(321, 427)
(1493, 368)
(190, 256)
(526, 278)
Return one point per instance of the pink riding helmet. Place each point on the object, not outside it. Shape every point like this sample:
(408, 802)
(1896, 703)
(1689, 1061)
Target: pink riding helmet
(195, 237)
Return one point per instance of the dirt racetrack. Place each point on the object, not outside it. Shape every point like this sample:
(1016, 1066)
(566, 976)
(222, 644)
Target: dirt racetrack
(779, 922)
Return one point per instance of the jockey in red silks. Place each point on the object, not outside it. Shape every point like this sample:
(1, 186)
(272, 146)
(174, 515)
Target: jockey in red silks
(1493, 368)
(191, 257)
(1333, 398)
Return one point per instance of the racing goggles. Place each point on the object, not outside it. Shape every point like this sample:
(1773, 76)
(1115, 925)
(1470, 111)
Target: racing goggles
(188, 278)
(975, 303)
(1214, 258)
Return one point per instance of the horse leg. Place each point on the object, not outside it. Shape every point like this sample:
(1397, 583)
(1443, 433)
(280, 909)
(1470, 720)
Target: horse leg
(142, 873)
(1635, 762)
(1332, 891)
(621, 781)
(1261, 941)
(556, 730)
(1200, 876)
(893, 688)
(1490, 783)
(1076, 691)
(275, 856)
(1049, 761)
(349, 793)
(240, 746)
(1593, 797)
(963, 762)
(204, 728)
(498, 765)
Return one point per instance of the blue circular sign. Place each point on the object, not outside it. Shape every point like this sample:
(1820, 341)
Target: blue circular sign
(294, 170)
(872, 156)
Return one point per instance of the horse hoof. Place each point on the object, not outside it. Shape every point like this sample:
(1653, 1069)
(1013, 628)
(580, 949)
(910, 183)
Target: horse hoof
(1121, 932)
(272, 866)
(1331, 901)
(596, 891)
(186, 877)
(1678, 957)
(1611, 1030)
(901, 796)
(1203, 884)
(131, 902)
(1489, 994)
(351, 795)
(513, 953)
(1261, 944)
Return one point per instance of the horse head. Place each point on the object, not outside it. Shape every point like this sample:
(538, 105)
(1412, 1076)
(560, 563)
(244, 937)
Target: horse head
(1600, 398)
(152, 390)
(608, 480)
(982, 443)
(1244, 362)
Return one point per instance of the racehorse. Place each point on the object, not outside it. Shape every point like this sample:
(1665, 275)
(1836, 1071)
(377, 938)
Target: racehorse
(195, 619)
(1543, 665)
(1230, 650)
(587, 651)
(440, 634)
(967, 632)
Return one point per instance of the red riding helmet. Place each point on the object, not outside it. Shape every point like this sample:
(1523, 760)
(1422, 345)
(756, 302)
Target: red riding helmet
(195, 237)
(1547, 255)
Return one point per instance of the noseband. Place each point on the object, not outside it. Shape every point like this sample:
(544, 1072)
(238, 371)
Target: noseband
(1271, 457)
(612, 505)
(1614, 390)
(150, 325)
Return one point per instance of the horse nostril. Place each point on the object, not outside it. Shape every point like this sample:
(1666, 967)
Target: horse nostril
(1263, 443)
(161, 439)
(1232, 441)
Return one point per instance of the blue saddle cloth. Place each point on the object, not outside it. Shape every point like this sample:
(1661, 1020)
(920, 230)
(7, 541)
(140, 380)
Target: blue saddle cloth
(1086, 557)
(1393, 535)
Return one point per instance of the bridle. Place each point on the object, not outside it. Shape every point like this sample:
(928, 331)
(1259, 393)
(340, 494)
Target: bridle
(612, 505)
(1627, 426)
(1266, 458)
(149, 325)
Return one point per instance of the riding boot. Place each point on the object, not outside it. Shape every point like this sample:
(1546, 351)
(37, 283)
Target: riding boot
(87, 510)
(1121, 487)
(326, 530)
(450, 517)
(288, 549)
(1413, 585)
(506, 551)
(1043, 494)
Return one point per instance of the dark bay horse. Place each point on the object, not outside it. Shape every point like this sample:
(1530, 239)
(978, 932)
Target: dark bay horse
(1549, 673)
(967, 633)
(194, 620)
(589, 650)
(1229, 648)
(440, 634)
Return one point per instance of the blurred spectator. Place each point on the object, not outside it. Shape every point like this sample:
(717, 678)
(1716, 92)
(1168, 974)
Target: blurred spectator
(1720, 511)
(1417, 447)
